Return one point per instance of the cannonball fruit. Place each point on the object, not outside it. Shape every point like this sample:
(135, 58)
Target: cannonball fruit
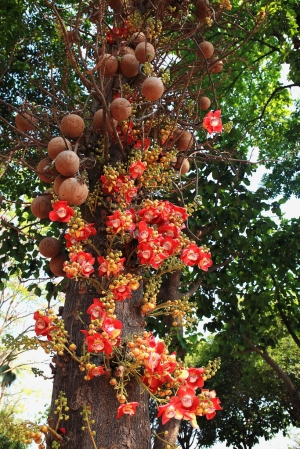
(152, 88)
(126, 51)
(41, 206)
(202, 10)
(73, 191)
(45, 171)
(57, 145)
(67, 163)
(144, 52)
(204, 103)
(24, 125)
(185, 141)
(58, 182)
(182, 165)
(50, 247)
(72, 126)
(216, 65)
(109, 65)
(57, 264)
(129, 66)
(98, 123)
(120, 109)
(205, 50)
(138, 37)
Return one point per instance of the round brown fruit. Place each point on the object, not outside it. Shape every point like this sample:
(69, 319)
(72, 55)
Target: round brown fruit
(205, 50)
(73, 191)
(41, 206)
(98, 124)
(152, 88)
(129, 66)
(182, 165)
(120, 109)
(126, 51)
(57, 145)
(45, 171)
(24, 125)
(216, 65)
(204, 103)
(72, 126)
(57, 264)
(109, 65)
(202, 10)
(138, 37)
(67, 163)
(144, 52)
(50, 247)
(185, 141)
(58, 182)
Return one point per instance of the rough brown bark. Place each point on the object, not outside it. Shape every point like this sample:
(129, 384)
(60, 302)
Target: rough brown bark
(111, 433)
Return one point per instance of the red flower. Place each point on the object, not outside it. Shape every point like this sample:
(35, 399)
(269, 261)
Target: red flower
(96, 310)
(145, 253)
(142, 144)
(96, 371)
(195, 378)
(42, 325)
(112, 327)
(190, 255)
(169, 245)
(171, 410)
(121, 292)
(96, 343)
(130, 194)
(136, 169)
(212, 122)
(205, 261)
(86, 261)
(121, 221)
(127, 409)
(144, 233)
(62, 212)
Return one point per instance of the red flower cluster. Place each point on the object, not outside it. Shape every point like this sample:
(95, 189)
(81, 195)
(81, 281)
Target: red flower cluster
(120, 33)
(110, 266)
(193, 255)
(107, 333)
(162, 373)
(122, 287)
(186, 405)
(120, 222)
(62, 212)
(43, 325)
(77, 235)
(122, 187)
(81, 264)
(212, 122)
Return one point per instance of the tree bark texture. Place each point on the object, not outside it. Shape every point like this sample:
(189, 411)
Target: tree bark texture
(127, 432)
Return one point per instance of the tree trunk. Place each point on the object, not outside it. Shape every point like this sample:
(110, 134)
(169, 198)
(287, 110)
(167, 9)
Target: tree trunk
(127, 432)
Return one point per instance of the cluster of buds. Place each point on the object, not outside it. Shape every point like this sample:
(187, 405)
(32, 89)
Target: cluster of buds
(119, 186)
(80, 264)
(226, 5)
